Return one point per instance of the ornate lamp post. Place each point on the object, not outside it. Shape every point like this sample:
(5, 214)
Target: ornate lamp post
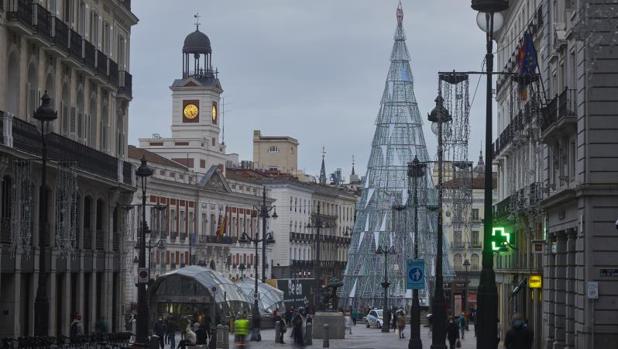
(141, 337)
(386, 314)
(439, 115)
(268, 238)
(264, 214)
(489, 20)
(318, 224)
(45, 114)
(416, 170)
(466, 265)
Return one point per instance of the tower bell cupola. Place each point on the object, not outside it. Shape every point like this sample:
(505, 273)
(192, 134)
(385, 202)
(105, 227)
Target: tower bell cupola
(197, 54)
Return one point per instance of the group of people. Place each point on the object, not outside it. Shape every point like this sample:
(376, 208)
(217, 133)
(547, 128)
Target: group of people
(192, 332)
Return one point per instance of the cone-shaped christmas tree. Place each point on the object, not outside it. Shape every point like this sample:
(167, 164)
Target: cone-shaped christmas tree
(385, 213)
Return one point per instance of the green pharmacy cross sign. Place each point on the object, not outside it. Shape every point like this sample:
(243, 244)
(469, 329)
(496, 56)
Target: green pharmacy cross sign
(500, 239)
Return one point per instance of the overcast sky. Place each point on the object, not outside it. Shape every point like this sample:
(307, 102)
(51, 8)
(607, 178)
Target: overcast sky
(310, 69)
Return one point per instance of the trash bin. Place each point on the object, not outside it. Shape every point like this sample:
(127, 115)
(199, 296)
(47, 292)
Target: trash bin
(154, 342)
(223, 337)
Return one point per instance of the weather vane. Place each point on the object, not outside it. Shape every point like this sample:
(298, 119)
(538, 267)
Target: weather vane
(197, 20)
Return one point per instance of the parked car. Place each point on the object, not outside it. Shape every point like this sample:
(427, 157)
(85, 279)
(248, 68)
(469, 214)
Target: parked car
(374, 318)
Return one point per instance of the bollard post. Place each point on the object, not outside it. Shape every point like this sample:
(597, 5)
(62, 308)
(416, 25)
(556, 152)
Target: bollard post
(325, 342)
(309, 333)
(277, 332)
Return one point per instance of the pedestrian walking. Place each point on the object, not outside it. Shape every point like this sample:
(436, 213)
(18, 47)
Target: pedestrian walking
(76, 328)
(159, 330)
(189, 338)
(280, 321)
(401, 324)
(348, 322)
(461, 323)
(170, 332)
(452, 334)
(242, 330)
(297, 329)
(518, 336)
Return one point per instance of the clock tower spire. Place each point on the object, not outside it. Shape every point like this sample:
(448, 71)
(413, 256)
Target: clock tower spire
(196, 140)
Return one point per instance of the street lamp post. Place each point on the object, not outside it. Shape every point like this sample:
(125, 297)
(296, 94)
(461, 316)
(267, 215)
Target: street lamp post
(416, 170)
(439, 115)
(141, 337)
(268, 238)
(385, 313)
(264, 214)
(45, 114)
(317, 223)
(489, 19)
(466, 265)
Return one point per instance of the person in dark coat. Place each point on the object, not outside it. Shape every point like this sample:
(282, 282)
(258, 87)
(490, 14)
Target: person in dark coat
(452, 332)
(519, 336)
(297, 329)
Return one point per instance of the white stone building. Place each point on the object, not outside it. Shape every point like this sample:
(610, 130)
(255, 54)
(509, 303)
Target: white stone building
(77, 51)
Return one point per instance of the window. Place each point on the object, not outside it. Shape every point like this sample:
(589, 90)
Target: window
(457, 261)
(105, 38)
(474, 262)
(104, 121)
(475, 214)
(120, 54)
(94, 28)
(273, 149)
(475, 239)
(457, 239)
(214, 141)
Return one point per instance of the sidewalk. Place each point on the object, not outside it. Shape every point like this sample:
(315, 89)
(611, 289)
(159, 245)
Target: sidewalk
(361, 338)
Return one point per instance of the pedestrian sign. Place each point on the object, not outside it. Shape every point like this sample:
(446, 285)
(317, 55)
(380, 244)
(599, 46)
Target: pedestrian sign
(415, 274)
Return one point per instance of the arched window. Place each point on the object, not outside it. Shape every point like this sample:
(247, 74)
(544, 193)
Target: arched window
(91, 119)
(12, 94)
(104, 121)
(457, 261)
(64, 107)
(474, 262)
(80, 110)
(32, 88)
(5, 222)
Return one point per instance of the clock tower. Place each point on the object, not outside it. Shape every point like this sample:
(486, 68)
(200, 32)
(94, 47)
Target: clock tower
(196, 115)
(196, 97)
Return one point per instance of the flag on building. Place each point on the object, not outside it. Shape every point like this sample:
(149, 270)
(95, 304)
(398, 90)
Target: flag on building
(222, 224)
(526, 65)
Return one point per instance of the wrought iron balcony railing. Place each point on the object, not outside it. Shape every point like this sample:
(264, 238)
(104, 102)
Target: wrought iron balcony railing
(561, 109)
(24, 136)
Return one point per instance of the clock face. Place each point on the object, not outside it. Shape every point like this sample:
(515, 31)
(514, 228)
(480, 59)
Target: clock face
(191, 111)
(214, 112)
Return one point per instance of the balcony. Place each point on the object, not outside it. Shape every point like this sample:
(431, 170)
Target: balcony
(125, 84)
(516, 129)
(503, 208)
(75, 45)
(43, 21)
(560, 115)
(173, 235)
(113, 73)
(214, 239)
(21, 12)
(458, 245)
(89, 54)
(61, 34)
(24, 136)
(101, 63)
(183, 236)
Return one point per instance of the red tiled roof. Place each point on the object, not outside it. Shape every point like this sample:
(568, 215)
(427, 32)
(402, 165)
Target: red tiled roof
(137, 154)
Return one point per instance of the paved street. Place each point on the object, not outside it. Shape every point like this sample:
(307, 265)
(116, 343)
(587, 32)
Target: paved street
(361, 338)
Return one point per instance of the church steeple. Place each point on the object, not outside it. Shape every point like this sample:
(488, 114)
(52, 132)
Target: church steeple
(323, 169)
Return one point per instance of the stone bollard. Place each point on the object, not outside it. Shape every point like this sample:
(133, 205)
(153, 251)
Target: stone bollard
(325, 342)
(277, 332)
(222, 340)
(309, 333)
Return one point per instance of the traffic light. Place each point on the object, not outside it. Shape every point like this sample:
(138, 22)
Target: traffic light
(500, 239)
